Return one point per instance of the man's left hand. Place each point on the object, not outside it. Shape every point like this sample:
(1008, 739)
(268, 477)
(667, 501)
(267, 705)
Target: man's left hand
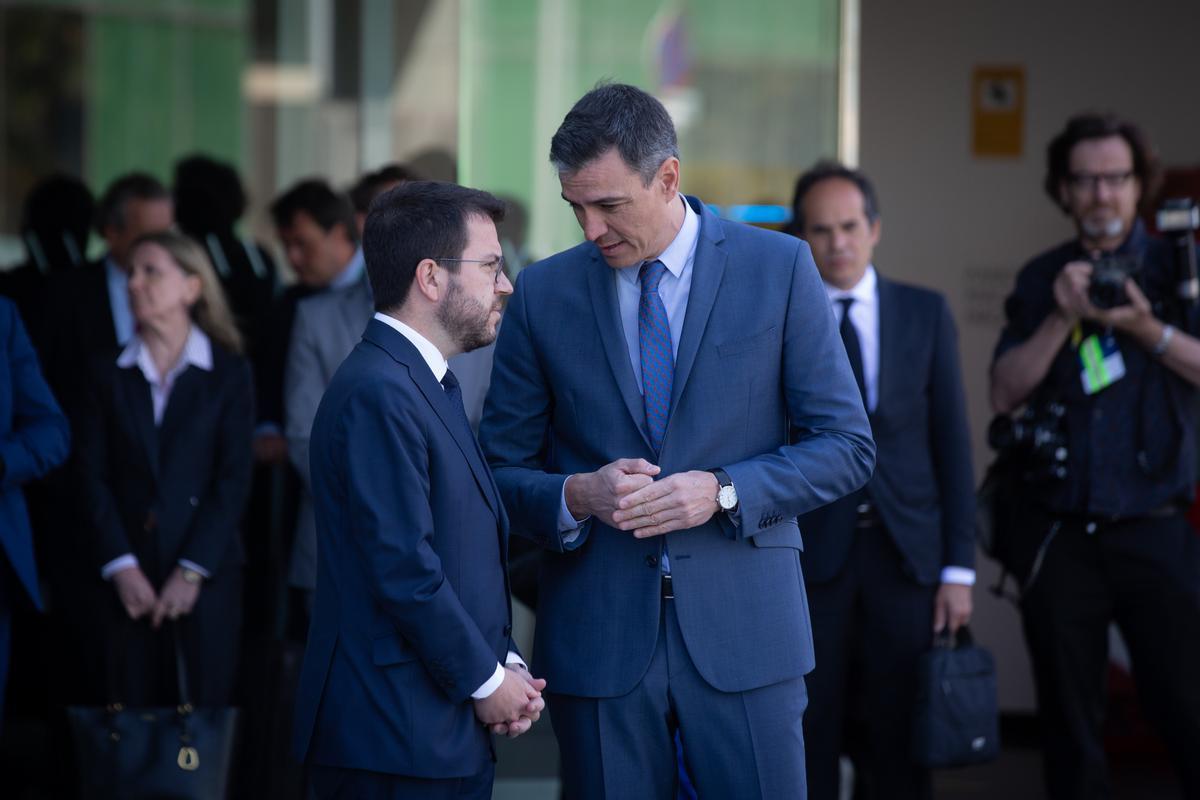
(533, 711)
(951, 606)
(1134, 318)
(677, 502)
(176, 599)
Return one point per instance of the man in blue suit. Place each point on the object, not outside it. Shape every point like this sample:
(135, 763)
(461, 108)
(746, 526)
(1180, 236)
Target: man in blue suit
(410, 658)
(893, 562)
(34, 439)
(637, 425)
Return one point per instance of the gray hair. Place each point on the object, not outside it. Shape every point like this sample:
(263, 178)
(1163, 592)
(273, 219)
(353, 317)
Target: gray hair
(615, 115)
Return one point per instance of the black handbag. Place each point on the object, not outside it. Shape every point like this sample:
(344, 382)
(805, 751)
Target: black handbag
(127, 753)
(956, 721)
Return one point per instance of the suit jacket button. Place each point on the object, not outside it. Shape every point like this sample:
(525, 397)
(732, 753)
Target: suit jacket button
(508, 630)
(195, 501)
(151, 521)
(651, 561)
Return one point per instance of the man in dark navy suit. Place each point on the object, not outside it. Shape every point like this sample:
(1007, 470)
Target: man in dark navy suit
(34, 438)
(410, 659)
(894, 562)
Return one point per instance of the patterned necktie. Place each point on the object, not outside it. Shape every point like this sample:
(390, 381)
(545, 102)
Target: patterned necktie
(658, 362)
(853, 347)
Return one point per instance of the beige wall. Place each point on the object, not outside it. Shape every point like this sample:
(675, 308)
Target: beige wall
(964, 225)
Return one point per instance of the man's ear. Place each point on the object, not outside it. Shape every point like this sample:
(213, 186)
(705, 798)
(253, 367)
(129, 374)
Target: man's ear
(429, 279)
(668, 176)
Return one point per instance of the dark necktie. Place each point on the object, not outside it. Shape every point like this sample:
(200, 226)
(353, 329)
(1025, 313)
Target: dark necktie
(853, 346)
(454, 395)
(658, 361)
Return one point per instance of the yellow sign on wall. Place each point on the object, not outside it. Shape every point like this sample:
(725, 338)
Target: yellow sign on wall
(997, 111)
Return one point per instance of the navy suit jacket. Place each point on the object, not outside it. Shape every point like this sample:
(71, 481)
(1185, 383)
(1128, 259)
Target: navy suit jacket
(34, 438)
(759, 347)
(411, 612)
(923, 487)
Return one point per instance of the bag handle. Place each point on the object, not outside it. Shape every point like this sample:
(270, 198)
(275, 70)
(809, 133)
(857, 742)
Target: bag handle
(962, 638)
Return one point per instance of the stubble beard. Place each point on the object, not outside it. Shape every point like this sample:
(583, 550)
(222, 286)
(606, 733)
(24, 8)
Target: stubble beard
(465, 319)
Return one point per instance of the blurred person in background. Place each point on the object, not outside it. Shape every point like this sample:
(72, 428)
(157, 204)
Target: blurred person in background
(55, 220)
(1095, 329)
(164, 465)
(87, 311)
(893, 563)
(209, 201)
(34, 438)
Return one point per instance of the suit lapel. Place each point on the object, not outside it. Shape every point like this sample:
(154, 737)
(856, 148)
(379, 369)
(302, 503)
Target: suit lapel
(707, 272)
(180, 405)
(602, 285)
(135, 399)
(405, 353)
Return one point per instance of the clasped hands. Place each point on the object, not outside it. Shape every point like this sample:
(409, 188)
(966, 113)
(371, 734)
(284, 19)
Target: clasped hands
(512, 709)
(625, 495)
(177, 598)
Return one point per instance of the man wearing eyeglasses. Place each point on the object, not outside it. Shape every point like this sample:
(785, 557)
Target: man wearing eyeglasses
(1113, 543)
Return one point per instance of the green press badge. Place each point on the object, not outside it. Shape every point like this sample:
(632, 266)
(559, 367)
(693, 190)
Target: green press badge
(1102, 362)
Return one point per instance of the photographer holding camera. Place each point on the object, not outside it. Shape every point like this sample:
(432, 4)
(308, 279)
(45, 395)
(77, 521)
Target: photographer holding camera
(1096, 326)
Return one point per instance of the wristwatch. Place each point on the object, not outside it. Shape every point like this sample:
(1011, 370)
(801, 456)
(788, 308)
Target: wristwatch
(727, 497)
(191, 576)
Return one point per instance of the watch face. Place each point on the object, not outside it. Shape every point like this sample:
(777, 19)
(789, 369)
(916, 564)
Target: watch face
(727, 497)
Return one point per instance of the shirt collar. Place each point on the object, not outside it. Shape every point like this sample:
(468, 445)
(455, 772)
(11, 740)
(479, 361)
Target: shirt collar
(197, 352)
(681, 249)
(862, 292)
(351, 273)
(114, 273)
(428, 350)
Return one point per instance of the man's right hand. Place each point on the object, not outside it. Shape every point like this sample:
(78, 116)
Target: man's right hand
(515, 698)
(135, 591)
(1071, 291)
(596, 494)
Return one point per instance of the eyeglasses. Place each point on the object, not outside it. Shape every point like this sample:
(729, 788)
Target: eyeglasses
(1090, 181)
(492, 265)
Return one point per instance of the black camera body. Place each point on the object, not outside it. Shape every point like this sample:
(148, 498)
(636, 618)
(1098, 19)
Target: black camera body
(1036, 437)
(1107, 288)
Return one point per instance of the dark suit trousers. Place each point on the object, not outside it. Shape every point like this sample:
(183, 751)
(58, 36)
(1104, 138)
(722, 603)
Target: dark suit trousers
(338, 783)
(735, 744)
(1145, 575)
(871, 623)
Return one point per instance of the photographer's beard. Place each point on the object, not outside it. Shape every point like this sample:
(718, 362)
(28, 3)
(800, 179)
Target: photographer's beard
(1102, 226)
(467, 321)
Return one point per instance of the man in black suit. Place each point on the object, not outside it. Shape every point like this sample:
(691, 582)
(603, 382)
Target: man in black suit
(893, 563)
(88, 309)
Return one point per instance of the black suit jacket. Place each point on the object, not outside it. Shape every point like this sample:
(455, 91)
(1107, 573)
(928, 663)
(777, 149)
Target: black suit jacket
(923, 486)
(76, 326)
(174, 491)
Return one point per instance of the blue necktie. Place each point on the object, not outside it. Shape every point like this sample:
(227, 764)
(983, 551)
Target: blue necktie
(658, 362)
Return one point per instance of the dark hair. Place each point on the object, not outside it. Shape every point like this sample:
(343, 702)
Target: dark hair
(131, 186)
(615, 115)
(372, 184)
(208, 195)
(1093, 125)
(415, 221)
(826, 170)
(316, 198)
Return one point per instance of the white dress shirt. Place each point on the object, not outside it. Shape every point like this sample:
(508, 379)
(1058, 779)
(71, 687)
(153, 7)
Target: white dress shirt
(438, 366)
(674, 289)
(864, 316)
(197, 352)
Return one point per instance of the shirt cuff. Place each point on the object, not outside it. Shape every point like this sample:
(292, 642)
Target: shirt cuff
(513, 658)
(194, 567)
(117, 564)
(959, 575)
(568, 526)
(490, 686)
